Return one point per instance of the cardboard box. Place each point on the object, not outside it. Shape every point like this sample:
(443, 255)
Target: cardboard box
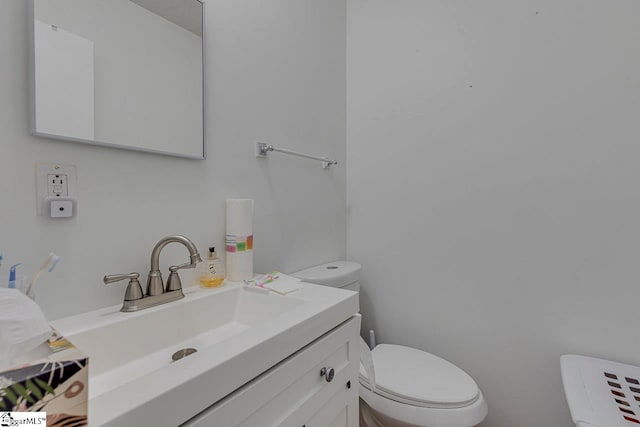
(54, 379)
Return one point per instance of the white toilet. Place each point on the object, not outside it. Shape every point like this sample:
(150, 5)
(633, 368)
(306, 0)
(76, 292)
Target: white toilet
(401, 386)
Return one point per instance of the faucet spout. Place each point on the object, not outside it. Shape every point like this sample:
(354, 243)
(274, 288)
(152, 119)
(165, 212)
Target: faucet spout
(155, 286)
(191, 247)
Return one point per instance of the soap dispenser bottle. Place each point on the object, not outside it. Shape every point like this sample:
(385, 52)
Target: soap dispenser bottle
(211, 273)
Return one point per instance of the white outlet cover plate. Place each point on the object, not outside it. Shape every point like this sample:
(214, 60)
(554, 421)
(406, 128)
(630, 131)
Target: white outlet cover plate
(43, 170)
(61, 208)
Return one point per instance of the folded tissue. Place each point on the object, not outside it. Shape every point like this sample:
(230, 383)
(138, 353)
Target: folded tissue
(23, 326)
(276, 282)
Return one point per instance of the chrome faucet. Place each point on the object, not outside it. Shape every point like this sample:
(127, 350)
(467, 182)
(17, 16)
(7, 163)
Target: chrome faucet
(154, 282)
(156, 294)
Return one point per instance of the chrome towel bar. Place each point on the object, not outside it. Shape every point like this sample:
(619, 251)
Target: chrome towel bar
(263, 148)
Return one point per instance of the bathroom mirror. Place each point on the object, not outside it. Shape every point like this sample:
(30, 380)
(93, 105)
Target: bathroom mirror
(120, 73)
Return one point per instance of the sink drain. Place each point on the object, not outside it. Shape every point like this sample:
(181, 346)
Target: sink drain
(182, 353)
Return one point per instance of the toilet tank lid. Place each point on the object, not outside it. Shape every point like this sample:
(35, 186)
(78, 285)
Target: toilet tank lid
(337, 273)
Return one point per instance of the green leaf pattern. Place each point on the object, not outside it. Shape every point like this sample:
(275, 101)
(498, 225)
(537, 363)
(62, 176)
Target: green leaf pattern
(34, 390)
(17, 393)
(45, 386)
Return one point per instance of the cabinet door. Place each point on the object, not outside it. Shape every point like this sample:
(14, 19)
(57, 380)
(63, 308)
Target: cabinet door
(340, 411)
(293, 391)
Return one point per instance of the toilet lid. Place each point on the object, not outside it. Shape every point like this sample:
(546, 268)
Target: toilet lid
(413, 376)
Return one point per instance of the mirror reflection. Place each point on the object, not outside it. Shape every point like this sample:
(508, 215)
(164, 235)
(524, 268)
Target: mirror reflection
(125, 73)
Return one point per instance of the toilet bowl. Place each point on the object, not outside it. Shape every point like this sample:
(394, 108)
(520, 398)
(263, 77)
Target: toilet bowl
(402, 386)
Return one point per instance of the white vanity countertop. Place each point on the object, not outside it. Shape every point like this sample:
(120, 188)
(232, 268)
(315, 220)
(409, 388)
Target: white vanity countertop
(172, 393)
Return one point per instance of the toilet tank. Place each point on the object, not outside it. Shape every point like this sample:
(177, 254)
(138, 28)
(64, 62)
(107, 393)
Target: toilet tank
(339, 274)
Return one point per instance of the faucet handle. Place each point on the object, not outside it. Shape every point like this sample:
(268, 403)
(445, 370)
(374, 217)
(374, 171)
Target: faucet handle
(118, 277)
(134, 290)
(174, 283)
(175, 268)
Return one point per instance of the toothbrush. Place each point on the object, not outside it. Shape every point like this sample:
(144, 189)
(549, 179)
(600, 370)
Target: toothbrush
(12, 275)
(49, 264)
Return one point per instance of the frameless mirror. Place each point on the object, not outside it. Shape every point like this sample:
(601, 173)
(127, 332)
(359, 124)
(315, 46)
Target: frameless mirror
(122, 73)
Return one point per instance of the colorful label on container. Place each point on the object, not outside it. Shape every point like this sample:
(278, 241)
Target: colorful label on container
(239, 243)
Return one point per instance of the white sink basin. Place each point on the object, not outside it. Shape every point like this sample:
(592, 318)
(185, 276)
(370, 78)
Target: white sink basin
(143, 342)
(238, 333)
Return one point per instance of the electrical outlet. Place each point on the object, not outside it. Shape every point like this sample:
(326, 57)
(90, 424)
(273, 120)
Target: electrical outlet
(57, 185)
(53, 181)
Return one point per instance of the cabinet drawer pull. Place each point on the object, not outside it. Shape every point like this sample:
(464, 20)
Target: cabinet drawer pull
(328, 374)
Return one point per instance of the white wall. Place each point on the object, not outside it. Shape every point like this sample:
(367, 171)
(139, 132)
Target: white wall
(275, 72)
(148, 73)
(493, 170)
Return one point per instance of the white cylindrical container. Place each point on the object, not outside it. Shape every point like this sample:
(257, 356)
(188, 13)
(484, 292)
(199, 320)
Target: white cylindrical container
(239, 239)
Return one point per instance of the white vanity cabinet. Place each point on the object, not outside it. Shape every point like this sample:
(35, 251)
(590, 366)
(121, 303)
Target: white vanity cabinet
(293, 393)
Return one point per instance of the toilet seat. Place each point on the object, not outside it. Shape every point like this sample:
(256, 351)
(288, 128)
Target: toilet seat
(420, 389)
(390, 412)
(417, 378)
(408, 401)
